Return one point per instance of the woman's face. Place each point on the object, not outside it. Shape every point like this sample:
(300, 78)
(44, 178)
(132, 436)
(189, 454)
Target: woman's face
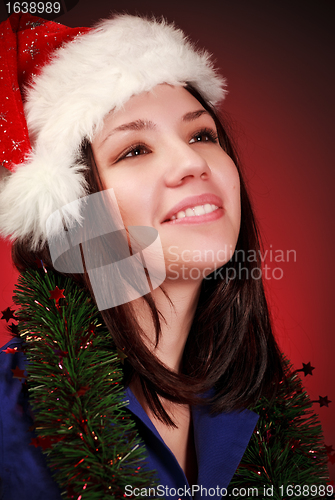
(161, 155)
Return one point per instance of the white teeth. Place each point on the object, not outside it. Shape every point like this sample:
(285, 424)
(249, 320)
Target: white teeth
(199, 210)
(189, 212)
(193, 212)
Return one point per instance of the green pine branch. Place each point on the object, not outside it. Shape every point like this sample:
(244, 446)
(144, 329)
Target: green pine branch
(286, 451)
(89, 439)
(75, 377)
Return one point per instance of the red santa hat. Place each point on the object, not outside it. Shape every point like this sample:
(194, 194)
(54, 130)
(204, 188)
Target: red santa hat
(57, 84)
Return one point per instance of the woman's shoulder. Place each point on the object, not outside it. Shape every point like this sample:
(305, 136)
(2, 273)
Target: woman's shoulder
(24, 473)
(74, 374)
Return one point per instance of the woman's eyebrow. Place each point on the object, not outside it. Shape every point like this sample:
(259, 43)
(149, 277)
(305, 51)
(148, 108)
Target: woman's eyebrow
(193, 115)
(135, 125)
(149, 125)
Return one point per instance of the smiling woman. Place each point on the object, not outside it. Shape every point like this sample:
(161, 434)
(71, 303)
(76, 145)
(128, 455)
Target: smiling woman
(200, 365)
(175, 146)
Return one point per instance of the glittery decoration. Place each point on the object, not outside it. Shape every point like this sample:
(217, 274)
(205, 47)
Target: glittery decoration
(295, 443)
(27, 42)
(8, 314)
(251, 467)
(16, 145)
(268, 436)
(34, 24)
(34, 51)
(91, 328)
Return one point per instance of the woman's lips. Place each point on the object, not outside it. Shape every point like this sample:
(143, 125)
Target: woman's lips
(194, 201)
(198, 219)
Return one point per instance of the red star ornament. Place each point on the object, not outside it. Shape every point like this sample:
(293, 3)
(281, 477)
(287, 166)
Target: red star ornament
(44, 442)
(329, 449)
(8, 314)
(57, 294)
(9, 350)
(19, 374)
(307, 368)
(324, 401)
(13, 329)
(34, 442)
(39, 263)
(82, 391)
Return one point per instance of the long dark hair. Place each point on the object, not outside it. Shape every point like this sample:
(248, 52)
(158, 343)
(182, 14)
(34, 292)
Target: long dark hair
(230, 346)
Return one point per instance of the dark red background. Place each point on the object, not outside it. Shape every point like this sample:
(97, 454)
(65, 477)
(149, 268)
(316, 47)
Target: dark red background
(278, 59)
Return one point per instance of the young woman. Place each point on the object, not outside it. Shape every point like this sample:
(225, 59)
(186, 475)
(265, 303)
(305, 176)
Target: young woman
(130, 107)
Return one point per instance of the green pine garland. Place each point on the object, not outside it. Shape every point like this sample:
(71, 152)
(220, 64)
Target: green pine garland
(75, 390)
(286, 456)
(89, 439)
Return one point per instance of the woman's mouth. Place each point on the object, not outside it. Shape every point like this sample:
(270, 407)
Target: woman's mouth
(195, 211)
(196, 215)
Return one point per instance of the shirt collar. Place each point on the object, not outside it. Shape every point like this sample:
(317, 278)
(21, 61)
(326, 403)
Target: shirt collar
(220, 441)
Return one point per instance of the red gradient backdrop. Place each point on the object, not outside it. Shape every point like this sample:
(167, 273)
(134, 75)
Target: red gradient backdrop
(277, 57)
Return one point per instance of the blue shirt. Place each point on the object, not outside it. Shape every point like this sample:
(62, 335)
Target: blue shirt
(220, 442)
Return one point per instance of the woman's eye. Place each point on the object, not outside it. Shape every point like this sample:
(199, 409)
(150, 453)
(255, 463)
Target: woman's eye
(135, 151)
(204, 136)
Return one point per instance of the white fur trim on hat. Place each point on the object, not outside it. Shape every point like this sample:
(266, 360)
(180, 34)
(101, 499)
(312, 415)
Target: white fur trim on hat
(88, 77)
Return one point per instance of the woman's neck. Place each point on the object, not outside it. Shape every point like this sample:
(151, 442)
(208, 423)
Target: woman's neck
(178, 320)
(170, 349)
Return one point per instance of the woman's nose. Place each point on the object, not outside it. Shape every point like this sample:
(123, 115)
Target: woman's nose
(185, 163)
